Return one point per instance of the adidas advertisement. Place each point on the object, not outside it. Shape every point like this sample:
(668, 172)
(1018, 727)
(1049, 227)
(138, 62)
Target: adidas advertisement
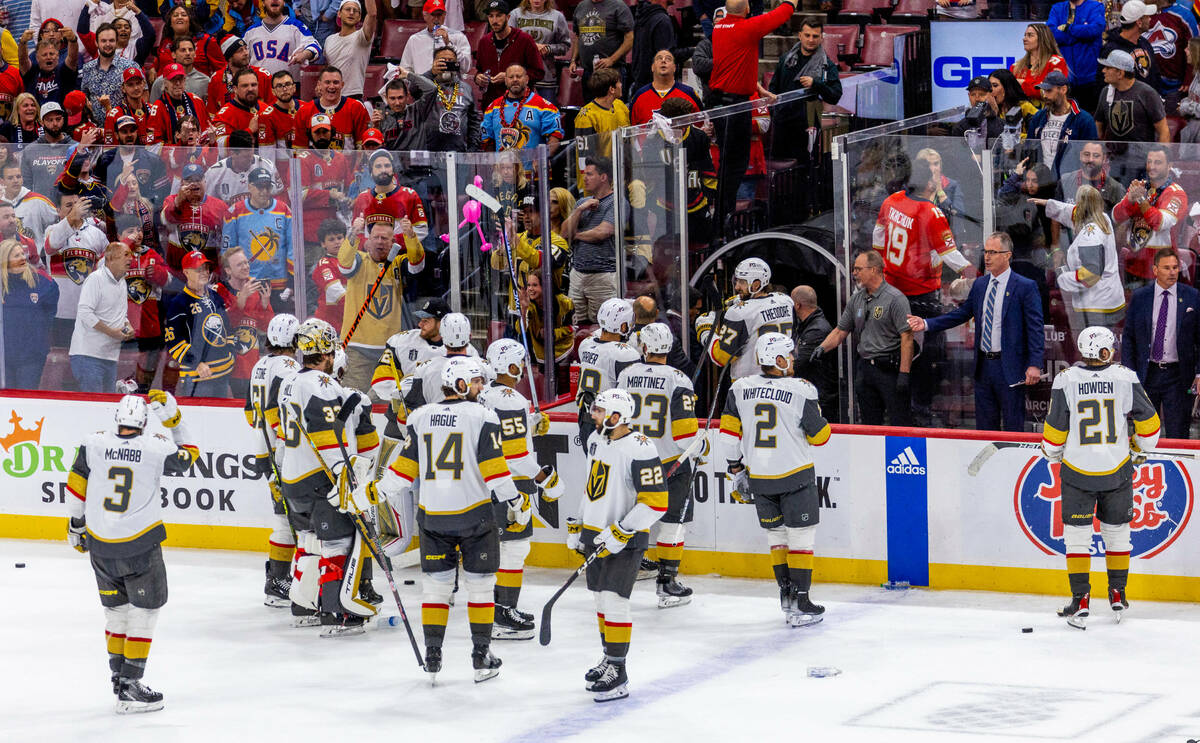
(905, 463)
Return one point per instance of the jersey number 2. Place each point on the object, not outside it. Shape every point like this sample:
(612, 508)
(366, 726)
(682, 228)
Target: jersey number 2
(122, 478)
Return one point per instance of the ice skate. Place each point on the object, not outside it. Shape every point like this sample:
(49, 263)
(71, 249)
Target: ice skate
(302, 617)
(595, 672)
(1076, 612)
(648, 569)
(1118, 602)
(803, 611)
(342, 625)
(508, 625)
(367, 593)
(133, 696)
(486, 665)
(612, 685)
(276, 591)
(433, 663)
(672, 593)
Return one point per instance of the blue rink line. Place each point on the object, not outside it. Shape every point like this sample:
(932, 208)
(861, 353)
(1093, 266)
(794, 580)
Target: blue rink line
(581, 719)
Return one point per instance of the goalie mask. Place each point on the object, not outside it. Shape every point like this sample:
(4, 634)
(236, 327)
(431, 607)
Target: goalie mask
(315, 337)
(503, 355)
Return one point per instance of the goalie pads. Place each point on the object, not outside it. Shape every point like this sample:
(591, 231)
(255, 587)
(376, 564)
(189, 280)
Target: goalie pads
(348, 595)
(306, 572)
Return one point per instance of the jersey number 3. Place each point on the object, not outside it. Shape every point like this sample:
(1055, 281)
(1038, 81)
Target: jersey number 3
(122, 478)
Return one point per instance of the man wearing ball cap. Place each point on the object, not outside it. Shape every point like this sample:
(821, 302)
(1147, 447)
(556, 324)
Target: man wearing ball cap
(324, 173)
(134, 104)
(175, 104)
(1134, 21)
(197, 334)
(1129, 110)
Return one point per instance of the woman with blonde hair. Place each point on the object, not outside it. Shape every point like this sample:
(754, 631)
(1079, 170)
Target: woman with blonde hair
(1041, 56)
(1090, 277)
(30, 301)
(562, 203)
(24, 124)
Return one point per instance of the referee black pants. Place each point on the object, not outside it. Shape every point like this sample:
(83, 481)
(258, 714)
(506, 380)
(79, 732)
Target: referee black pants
(876, 396)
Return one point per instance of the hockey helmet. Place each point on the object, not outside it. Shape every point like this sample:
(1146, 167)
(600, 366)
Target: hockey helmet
(281, 331)
(340, 364)
(656, 338)
(751, 270)
(1095, 339)
(614, 401)
(315, 336)
(772, 345)
(616, 316)
(504, 354)
(455, 330)
(132, 412)
(461, 369)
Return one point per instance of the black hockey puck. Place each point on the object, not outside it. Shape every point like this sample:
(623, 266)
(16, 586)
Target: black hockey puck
(1027, 630)
(410, 582)
(20, 564)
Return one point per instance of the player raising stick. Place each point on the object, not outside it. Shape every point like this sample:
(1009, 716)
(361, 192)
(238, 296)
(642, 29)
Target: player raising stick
(1086, 430)
(626, 495)
(770, 424)
(517, 428)
(455, 447)
(665, 412)
(755, 311)
(116, 516)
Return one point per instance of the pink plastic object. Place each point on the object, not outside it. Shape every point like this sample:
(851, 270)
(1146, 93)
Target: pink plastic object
(472, 212)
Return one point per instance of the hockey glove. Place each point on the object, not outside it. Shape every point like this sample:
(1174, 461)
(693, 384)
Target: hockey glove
(612, 539)
(551, 484)
(575, 535)
(1136, 455)
(704, 326)
(163, 405)
(77, 534)
(519, 513)
(740, 489)
(542, 425)
(276, 492)
(1052, 453)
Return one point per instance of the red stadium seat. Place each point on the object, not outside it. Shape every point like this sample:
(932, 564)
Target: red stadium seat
(863, 9)
(912, 9)
(475, 31)
(570, 90)
(395, 36)
(373, 81)
(842, 42)
(308, 81)
(877, 49)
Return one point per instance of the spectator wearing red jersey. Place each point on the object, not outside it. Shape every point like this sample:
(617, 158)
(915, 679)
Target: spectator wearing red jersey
(325, 174)
(388, 197)
(11, 85)
(1148, 215)
(195, 219)
(248, 306)
(136, 105)
(349, 117)
(277, 125)
(188, 150)
(327, 275)
(503, 47)
(181, 22)
(244, 112)
(144, 281)
(1041, 57)
(650, 98)
(223, 83)
(734, 79)
(183, 52)
(79, 118)
(174, 106)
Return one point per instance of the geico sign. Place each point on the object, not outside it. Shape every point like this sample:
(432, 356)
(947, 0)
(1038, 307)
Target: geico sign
(956, 72)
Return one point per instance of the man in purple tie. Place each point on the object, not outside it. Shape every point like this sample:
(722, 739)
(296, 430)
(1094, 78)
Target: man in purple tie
(1162, 331)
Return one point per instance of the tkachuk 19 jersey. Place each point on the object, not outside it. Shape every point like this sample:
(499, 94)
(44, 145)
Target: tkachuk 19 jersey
(516, 428)
(664, 406)
(625, 484)
(266, 378)
(455, 448)
(909, 233)
(771, 425)
(115, 484)
(1089, 406)
(741, 326)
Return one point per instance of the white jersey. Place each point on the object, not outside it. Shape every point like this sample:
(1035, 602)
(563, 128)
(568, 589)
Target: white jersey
(272, 46)
(1087, 423)
(600, 363)
(1092, 270)
(230, 186)
(664, 406)
(426, 380)
(401, 354)
(263, 397)
(625, 484)
(455, 448)
(115, 481)
(309, 402)
(741, 327)
(771, 424)
(516, 428)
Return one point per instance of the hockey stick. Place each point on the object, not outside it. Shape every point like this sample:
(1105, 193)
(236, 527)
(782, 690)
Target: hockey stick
(339, 427)
(391, 256)
(544, 637)
(270, 457)
(991, 448)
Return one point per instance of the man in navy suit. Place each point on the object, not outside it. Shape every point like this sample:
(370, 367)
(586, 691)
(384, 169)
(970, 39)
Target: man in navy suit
(1162, 329)
(1009, 339)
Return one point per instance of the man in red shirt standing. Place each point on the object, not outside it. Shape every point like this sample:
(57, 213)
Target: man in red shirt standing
(503, 47)
(734, 79)
(222, 86)
(325, 174)
(350, 118)
(278, 126)
(388, 197)
(244, 112)
(174, 105)
(136, 104)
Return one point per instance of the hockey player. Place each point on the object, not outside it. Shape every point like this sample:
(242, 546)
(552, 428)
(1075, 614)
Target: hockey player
(115, 516)
(1086, 430)
(601, 359)
(626, 495)
(455, 447)
(773, 460)
(314, 486)
(427, 386)
(401, 355)
(665, 412)
(517, 428)
(754, 312)
(262, 413)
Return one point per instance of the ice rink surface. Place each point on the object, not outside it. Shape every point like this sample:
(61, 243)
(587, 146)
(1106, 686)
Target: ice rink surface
(916, 665)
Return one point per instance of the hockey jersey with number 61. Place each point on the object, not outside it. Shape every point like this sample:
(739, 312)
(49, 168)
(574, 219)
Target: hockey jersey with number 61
(741, 326)
(1087, 423)
(771, 425)
(625, 484)
(664, 406)
(263, 397)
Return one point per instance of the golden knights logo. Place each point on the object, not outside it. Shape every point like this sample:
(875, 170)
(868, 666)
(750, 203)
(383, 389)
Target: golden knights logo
(381, 304)
(597, 482)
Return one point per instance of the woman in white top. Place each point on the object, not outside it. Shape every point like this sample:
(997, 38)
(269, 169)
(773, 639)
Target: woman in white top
(549, 29)
(1090, 278)
(350, 48)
